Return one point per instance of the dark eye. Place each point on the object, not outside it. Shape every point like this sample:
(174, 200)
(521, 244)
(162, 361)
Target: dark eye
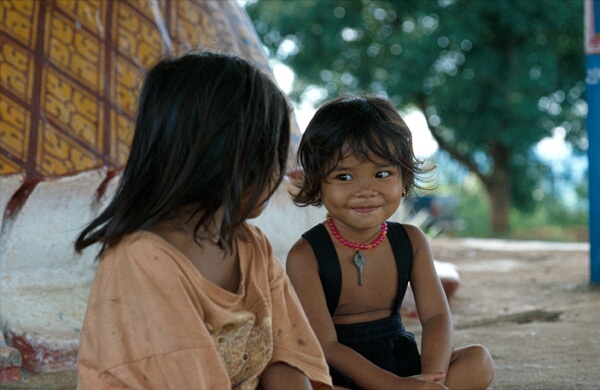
(382, 174)
(344, 177)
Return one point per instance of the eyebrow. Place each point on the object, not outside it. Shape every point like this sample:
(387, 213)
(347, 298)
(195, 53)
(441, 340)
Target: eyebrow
(384, 165)
(379, 165)
(341, 168)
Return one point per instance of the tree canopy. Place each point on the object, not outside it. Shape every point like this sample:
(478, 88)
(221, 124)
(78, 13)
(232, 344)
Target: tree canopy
(492, 77)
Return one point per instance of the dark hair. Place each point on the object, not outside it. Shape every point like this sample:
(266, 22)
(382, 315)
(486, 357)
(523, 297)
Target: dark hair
(361, 125)
(211, 130)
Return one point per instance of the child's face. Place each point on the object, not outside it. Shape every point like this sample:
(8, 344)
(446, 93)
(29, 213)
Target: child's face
(362, 194)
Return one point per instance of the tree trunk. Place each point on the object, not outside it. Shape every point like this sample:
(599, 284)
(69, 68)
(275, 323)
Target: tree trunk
(498, 189)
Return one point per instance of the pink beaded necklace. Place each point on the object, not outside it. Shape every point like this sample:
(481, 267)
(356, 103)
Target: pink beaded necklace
(359, 258)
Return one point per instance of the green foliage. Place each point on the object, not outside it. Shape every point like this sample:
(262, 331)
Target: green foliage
(473, 209)
(549, 220)
(492, 77)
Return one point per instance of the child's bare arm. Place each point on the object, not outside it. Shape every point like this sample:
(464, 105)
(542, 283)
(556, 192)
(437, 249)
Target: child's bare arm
(303, 271)
(432, 306)
(281, 375)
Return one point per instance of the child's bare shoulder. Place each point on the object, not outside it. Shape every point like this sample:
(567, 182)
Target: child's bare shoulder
(301, 248)
(300, 256)
(417, 237)
(413, 231)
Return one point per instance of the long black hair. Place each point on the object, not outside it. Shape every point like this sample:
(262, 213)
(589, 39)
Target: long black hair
(211, 130)
(362, 125)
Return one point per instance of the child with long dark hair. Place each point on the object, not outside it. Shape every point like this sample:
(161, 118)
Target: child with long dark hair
(188, 295)
(351, 271)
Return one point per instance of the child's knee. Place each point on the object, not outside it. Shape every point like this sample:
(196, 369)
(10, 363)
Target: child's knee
(481, 356)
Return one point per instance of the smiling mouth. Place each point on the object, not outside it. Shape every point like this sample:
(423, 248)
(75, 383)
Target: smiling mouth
(364, 209)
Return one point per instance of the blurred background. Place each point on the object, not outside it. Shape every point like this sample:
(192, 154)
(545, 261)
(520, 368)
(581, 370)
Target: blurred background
(493, 92)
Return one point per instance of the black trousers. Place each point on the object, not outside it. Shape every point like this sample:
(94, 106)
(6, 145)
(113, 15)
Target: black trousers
(384, 342)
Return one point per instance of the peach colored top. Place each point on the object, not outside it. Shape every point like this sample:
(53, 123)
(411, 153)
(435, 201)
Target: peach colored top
(153, 321)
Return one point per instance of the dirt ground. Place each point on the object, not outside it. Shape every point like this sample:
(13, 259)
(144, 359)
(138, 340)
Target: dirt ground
(530, 303)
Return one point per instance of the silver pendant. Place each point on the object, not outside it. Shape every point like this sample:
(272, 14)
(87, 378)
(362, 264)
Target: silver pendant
(359, 260)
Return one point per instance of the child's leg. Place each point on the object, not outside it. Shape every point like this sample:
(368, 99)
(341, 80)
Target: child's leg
(471, 367)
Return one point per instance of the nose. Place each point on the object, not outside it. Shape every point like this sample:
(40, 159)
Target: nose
(365, 188)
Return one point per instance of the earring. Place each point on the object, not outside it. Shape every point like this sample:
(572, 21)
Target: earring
(403, 192)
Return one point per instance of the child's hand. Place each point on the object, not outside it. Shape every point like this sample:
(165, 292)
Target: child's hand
(428, 381)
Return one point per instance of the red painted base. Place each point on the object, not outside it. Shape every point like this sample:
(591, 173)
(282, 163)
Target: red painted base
(10, 374)
(39, 355)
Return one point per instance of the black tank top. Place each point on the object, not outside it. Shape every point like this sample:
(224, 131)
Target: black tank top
(330, 271)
